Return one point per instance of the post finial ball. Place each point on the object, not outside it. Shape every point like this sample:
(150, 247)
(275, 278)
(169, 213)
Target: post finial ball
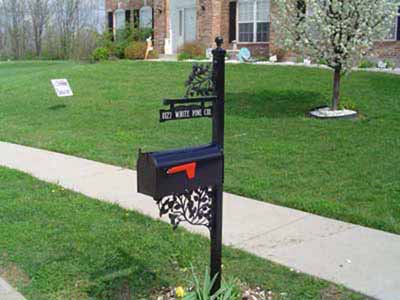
(219, 41)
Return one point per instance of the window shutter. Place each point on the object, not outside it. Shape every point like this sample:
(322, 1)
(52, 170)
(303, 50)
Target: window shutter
(136, 18)
(398, 28)
(232, 21)
(110, 22)
(152, 18)
(128, 16)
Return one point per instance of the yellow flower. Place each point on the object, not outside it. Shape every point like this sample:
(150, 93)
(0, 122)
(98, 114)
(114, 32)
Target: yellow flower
(180, 292)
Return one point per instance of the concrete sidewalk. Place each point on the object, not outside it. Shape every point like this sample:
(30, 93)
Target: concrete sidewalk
(8, 293)
(362, 259)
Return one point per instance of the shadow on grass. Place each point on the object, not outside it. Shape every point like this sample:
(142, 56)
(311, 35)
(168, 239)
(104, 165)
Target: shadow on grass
(123, 278)
(273, 104)
(57, 107)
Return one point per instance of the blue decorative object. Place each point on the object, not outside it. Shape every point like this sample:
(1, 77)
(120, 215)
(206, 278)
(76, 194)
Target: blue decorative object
(244, 55)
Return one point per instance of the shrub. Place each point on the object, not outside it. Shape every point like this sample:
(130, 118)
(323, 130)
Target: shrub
(365, 64)
(119, 48)
(323, 62)
(123, 39)
(153, 54)
(262, 58)
(389, 64)
(137, 50)
(100, 53)
(184, 56)
(140, 34)
(280, 54)
(193, 50)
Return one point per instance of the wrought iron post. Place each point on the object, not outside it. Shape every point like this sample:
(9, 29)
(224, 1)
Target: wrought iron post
(187, 184)
(218, 138)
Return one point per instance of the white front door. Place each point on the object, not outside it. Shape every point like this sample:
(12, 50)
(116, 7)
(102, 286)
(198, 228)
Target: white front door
(183, 23)
(186, 25)
(190, 24)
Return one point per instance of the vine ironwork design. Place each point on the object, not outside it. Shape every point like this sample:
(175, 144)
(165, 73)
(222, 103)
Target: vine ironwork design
(194, 207)
(200, 81)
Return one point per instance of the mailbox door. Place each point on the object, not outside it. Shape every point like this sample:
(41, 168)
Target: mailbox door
(208, 173)
(146, 175)
(188, 169)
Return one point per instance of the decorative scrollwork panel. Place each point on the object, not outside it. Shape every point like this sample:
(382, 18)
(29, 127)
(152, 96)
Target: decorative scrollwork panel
(200, 82)
(194, 207)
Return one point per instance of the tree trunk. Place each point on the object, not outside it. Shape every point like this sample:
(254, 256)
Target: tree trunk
(336, 88)
(38, 43)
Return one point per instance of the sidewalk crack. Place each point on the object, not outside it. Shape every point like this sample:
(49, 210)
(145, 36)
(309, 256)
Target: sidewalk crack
(274, 229)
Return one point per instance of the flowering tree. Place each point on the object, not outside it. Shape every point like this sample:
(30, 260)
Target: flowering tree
(340, 32)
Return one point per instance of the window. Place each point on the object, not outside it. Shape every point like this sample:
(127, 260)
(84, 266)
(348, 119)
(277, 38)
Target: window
(146, 17)
(119, 19)
(253, 21)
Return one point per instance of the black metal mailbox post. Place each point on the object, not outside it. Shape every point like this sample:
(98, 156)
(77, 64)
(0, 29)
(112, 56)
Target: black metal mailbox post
(188, 183)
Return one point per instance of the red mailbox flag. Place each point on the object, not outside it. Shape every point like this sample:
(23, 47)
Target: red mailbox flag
(189, 168)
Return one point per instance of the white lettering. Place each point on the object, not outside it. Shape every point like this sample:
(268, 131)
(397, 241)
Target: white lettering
(166, 115)
(182, 114)
(197, 113)
(207, 112)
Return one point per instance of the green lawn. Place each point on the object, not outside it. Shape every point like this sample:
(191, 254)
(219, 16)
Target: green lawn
(59, 245)
(349, 170)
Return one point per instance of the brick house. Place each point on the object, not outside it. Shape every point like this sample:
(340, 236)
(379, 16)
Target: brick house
(248, 22)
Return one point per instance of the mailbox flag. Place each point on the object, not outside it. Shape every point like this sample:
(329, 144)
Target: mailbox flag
(190, 170)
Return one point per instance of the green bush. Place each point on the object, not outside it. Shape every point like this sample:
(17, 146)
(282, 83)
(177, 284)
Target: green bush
(100, 53)
(323, 61)
(192, 50)
(365, 64)
(389, 64)
(184, 56)
(123, 39)
(142, 34)
(261, 58)
(119, 48)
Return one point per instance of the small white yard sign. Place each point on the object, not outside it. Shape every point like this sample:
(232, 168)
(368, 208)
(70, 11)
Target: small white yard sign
(62, 87)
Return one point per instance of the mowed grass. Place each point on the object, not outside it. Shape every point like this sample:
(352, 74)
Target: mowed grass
(349, 170)
(59, 245)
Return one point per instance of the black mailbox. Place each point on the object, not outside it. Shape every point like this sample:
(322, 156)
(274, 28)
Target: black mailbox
(173, 172)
